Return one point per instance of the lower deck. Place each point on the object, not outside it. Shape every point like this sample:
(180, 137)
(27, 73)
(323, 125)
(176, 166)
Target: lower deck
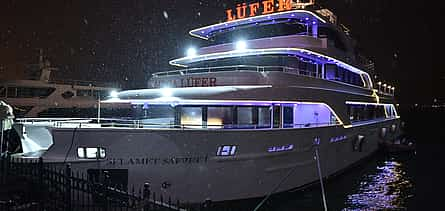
(233, 163)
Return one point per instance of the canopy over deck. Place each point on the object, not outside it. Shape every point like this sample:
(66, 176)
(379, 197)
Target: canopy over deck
(176, 94)
(303, 16)
(321, 58)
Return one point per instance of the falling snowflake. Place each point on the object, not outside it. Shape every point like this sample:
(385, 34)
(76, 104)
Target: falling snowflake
(165, 14)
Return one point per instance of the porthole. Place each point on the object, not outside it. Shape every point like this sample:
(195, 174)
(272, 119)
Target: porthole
(67, 94)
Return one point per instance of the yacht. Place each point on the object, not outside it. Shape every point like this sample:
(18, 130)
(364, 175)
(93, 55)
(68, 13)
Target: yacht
(37, 94)
(277, 100)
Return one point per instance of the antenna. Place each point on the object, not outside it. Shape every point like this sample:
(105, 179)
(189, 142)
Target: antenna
(45, 67)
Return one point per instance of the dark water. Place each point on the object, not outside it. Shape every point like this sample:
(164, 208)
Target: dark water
(386, 181)
(383, 182)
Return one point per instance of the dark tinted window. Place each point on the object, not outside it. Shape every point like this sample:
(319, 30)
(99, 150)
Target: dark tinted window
(362, 112)
(261, 31)
(29, 92)
(332, 36)
(2, 91)
(336, 73)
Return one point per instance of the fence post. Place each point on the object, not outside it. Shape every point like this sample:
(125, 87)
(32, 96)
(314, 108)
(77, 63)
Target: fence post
(68, 188)
(146, 196)
(105, 185)
(41, 185)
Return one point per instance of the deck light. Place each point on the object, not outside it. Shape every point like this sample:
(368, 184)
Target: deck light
(241, 45)
(191, 52)
(114, 94)
(166, 92)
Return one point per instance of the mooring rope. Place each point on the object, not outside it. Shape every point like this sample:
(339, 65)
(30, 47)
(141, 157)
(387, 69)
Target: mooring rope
(325, 205)
(275, 188)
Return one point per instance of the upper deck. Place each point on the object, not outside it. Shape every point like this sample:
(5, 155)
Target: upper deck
(305, 17)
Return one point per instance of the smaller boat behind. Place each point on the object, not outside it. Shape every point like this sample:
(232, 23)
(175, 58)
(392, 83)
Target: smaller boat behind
(6, 122)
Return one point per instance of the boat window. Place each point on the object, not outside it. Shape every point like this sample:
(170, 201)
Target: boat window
(277, 116)
(313, 115)
(331, 71)
(102, 94)
(2, 91)
(83, 92)
(245, 117)
(29, 92)
(336, 73)
(367, 81)
(365, 112)
(264, 117)
(288, 116)
(262, 31)
(220, 117)
(12, 92)
(288, 63)
(154, 114)
(191, 116)
(390, 111)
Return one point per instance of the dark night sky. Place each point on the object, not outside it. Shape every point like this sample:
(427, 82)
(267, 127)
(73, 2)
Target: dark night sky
(125, 41)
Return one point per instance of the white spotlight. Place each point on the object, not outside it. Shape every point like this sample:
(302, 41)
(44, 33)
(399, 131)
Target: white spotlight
(114, 94)
(241, 45)
(191, 52)
(166, 92)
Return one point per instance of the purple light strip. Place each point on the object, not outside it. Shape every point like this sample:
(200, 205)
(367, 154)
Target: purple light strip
(207, 30)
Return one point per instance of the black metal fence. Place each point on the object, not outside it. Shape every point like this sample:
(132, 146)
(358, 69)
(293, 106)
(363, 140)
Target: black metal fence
(32, 185)
(27, 184)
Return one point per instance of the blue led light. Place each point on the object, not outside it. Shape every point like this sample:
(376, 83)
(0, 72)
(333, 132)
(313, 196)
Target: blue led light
(280, 148)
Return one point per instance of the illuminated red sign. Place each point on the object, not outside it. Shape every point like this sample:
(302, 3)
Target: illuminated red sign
(265, 7)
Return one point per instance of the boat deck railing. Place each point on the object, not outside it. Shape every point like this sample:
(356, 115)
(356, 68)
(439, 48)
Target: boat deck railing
(239, 68)
(123, 123)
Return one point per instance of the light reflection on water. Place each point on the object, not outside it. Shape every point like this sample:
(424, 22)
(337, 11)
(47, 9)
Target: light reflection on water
(384, 182)
(388, 187)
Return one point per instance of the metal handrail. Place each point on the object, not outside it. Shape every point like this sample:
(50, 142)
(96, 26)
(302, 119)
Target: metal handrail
(124, 123)
(238, 68)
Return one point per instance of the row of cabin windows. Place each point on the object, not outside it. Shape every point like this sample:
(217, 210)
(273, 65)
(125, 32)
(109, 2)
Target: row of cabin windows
(34, 92)
(292, 63)
(365, 112)
(336, 73)
(25, 92)
(271, 62)
(280, 27)
(277, 116)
